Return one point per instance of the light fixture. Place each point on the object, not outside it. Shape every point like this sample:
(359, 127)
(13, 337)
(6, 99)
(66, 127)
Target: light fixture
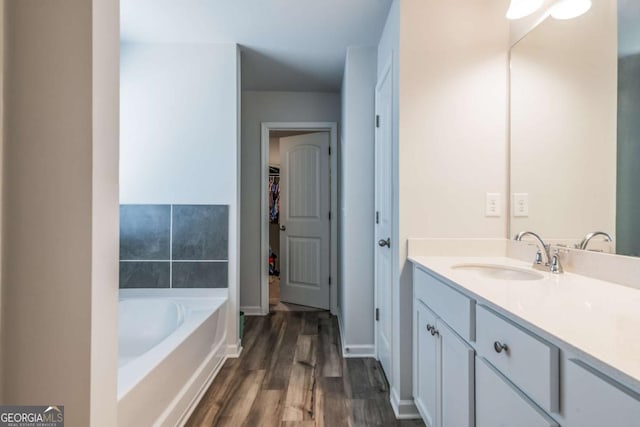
(521, 8)
(569, 9)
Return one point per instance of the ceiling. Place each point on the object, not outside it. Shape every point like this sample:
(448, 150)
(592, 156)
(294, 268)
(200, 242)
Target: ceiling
(628, 27)
(289, 45)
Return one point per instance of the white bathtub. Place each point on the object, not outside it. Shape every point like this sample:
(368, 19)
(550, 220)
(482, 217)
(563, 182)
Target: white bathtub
(171, 344)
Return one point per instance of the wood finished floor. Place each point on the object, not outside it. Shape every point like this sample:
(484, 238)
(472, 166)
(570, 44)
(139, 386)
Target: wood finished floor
(291, 373)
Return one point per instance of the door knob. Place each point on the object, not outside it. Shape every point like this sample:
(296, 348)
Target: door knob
(382, 243)
(283, 228)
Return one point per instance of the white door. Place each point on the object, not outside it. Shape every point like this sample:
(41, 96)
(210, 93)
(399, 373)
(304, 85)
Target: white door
(304, 220)
(384, 221)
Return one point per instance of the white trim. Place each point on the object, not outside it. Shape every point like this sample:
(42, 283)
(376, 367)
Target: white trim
(341, 331)
(234, 350)
(358, 350)
(266, 127)
(403, 409)
(253, 310)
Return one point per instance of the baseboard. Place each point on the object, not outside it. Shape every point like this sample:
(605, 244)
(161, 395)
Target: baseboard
(357, 350)
(403, 409)
(252, 310)
(234, 350)
(341, 331)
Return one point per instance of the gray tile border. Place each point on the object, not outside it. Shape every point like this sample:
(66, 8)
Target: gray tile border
(200, 274)
(144, 275)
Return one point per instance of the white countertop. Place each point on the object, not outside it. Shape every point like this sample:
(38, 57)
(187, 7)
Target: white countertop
(597, 318)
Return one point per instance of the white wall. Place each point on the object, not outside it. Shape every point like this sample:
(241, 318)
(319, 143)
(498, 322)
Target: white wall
(177, 123)
(179, 132)
(357, 200)
(258, 107)
(451, 146)
(564, 125)
(60, 270)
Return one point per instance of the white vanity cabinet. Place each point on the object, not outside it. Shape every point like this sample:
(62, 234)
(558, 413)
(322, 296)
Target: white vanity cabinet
(443, 363)
(475, 365)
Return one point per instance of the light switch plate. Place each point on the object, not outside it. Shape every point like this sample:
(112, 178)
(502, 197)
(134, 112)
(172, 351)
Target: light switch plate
(492, 205)
(521, 204)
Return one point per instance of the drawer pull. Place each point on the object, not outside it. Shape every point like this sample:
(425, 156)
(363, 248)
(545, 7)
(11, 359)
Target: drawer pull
(434, 331)
(429, 328)
(498, 347)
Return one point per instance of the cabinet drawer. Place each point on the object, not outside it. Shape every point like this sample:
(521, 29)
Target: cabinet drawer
(456, 309)
(588, 392)
(500, 404)
(529, 362)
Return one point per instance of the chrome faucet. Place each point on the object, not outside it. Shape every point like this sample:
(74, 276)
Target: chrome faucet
(585, 242)
(543, 259)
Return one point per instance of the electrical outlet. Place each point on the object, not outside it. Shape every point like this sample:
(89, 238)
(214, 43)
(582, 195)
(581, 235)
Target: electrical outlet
(521, 204)
(492, 205)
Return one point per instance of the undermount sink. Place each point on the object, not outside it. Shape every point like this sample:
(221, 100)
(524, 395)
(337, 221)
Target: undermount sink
(500, 272)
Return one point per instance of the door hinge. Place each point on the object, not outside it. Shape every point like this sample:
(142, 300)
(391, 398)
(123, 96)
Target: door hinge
(377, 217)
(329, 280)
(377, 314)
(377, 120)
(329, 150)
(329, 216)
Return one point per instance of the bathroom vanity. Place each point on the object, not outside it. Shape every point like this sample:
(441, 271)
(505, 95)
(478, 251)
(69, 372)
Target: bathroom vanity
(497, 343)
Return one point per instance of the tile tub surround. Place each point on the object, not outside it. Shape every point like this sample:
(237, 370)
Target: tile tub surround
(200, 232)
(180, 246)
(144, 232)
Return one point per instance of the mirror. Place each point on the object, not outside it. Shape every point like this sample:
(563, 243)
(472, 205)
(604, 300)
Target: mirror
(575, 129)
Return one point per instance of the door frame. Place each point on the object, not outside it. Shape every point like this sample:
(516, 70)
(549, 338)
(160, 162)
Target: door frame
(332, 128)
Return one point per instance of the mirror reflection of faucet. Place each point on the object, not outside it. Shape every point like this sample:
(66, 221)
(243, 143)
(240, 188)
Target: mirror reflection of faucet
(543, 261)
(585, 241)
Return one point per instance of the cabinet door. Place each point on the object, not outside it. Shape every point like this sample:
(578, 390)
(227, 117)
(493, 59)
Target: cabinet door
(457, 379)
(425, 361)
(593, 400)
(500, 404)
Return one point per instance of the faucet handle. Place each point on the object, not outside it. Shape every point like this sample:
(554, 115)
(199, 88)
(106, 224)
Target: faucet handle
(538, 259)
(556, 265)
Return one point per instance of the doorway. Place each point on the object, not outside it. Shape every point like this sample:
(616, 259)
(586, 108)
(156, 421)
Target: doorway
(299, 231)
